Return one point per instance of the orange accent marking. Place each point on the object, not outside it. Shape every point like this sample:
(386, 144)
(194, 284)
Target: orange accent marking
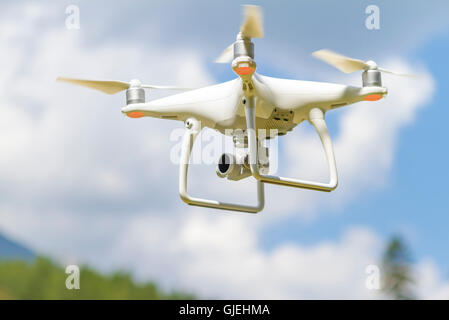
(135, 114)
(373, 97)
(244, 70)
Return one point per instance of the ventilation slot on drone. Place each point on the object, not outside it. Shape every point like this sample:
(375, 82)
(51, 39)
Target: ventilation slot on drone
(169, 117)
(336, 105)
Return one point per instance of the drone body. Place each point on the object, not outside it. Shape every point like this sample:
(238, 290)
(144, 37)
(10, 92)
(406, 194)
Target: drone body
(251, 108)
(281, 104)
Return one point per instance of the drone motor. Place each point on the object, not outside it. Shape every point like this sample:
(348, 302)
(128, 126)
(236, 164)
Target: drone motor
(135, 93)
(372, 78)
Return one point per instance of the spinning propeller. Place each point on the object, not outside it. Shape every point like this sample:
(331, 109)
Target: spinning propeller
(252, 27)
(348, 65)
(113, 86)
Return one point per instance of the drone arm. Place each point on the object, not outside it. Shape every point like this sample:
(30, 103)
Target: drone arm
(192, 129)
(316, 117)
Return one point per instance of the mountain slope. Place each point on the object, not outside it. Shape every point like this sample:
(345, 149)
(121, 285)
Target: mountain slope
(12, 250)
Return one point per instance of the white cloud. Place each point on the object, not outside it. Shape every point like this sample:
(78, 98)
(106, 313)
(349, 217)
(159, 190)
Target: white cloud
(220, 257)
(68, 140)
(430, 283)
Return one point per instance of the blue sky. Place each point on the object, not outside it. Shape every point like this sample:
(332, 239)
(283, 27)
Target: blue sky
(81, 183)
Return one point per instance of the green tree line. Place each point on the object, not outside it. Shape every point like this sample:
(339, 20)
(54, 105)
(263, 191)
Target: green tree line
(43, 279)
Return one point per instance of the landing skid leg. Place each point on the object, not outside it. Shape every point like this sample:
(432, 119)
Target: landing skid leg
(193, 127)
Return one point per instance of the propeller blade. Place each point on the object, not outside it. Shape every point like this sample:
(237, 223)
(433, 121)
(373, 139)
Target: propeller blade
(112, 86)
(349, 65)
(400, 74)
(150, 86)
(106, 86)
(227, 55)
(345, 64)
(252, 26)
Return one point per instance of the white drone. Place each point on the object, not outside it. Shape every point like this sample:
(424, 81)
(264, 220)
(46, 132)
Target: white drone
(248, 103)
